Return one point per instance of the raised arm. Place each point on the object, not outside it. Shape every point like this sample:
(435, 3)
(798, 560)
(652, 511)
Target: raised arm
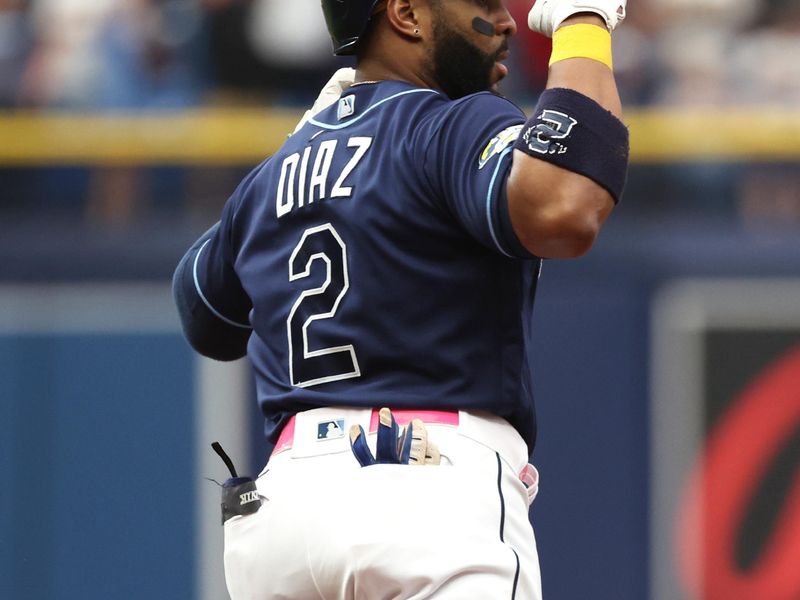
(571, 159)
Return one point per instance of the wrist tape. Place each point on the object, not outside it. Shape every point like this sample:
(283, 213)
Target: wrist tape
(575, 133)
(582, 41)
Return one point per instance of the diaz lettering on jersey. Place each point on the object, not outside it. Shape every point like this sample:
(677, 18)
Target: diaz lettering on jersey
(306, 177)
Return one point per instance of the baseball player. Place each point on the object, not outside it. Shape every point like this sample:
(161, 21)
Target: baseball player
(386, 257)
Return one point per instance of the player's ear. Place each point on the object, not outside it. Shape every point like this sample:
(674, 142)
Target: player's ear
(405, 16)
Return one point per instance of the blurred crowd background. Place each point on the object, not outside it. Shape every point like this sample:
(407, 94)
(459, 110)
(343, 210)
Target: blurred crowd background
(146, 54)
(107, 56)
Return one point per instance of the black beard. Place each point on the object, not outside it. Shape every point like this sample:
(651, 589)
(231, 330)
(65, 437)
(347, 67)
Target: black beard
(460, 68)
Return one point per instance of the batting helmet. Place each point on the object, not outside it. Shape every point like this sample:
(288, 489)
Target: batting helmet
(347, 21)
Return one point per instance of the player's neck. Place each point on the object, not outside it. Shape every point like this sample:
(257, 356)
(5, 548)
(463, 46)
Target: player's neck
(388, 55)
(369, 69)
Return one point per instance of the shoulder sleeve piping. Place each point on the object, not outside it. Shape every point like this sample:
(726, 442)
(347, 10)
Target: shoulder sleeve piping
(489, 193)
(203, 297)
(489, 198)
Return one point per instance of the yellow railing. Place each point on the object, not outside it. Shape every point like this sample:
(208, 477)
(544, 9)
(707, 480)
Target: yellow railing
(246, 136)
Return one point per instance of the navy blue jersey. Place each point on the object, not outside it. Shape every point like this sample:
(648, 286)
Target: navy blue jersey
(374, 259)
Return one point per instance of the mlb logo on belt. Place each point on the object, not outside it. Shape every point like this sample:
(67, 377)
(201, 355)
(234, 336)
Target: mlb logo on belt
(330, 430)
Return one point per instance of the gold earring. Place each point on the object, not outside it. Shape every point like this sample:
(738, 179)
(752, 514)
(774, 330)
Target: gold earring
(416, 31)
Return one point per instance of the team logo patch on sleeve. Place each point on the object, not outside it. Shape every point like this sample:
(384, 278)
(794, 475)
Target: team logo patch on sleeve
(499, 143)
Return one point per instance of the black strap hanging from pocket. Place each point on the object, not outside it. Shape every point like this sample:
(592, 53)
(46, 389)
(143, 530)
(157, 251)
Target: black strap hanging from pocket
(239, 494)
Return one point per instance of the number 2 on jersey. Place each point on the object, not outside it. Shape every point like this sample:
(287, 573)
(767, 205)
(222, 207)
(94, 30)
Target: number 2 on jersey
(312, 367)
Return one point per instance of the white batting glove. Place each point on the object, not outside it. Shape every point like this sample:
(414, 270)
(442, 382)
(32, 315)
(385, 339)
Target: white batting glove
(547, 15)
(341, 80)
(414, 444)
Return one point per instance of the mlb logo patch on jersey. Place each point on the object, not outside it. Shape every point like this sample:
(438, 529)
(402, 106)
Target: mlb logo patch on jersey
(499, 143)
(347, 106)
(330, 430)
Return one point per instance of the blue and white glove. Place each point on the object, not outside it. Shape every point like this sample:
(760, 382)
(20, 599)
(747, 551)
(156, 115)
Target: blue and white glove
(547, 15)
(394, 446)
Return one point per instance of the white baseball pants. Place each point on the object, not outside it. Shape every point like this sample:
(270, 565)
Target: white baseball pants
(329, 529)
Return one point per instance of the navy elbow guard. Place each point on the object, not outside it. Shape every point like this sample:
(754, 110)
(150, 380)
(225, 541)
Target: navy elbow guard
(574, 132)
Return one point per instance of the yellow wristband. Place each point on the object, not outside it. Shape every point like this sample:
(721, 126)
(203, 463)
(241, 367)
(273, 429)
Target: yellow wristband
(582, 41)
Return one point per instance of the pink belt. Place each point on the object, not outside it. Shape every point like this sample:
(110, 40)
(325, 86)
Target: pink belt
(402, 416)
